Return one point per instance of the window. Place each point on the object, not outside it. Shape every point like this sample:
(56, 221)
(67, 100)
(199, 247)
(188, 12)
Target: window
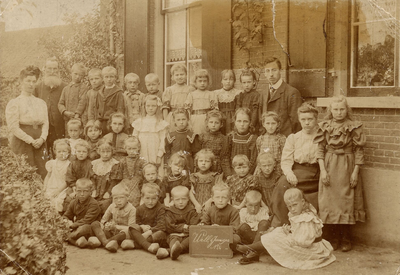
(374, 48)
(183, 31)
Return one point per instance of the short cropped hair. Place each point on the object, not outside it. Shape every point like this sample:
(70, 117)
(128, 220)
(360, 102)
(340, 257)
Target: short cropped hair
(265, 155)
(82, 143)
(221, 187)
(293, 194)
(240, 160)
(178, 67)
(74, 122)
(180, 111)
(274, 59)
(178, 189)
(80, 67)
(29, 71)
(134, 76)
(307, 108)
(151, 188)
(95, 71)
(52, 59)
(151, 77)
(253, 196)
(131, 140)
(109, 70)
(147, 166)
(84, 182)
(205, 152)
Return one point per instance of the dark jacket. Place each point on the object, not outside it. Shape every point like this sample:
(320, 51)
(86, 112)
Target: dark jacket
(285, 102)
(105, 102)
(175, 218)
(85, 213)
(155, 217)
(228, 215)
(52, 96)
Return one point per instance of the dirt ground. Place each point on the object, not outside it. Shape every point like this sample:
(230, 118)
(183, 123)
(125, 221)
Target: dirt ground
(361, 260)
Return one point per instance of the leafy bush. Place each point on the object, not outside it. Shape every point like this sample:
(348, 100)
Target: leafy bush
(31, 231)
(9, 90)
(94, 42)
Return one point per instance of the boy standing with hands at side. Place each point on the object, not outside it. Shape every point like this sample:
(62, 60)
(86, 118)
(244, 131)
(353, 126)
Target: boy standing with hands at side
(96, 84)
(73, 92)
(108, 100)
(84, 210)
(178, 219)
(133, 99)
(152, 84)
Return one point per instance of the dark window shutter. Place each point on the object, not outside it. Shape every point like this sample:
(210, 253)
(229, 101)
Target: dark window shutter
(216, 38)
(307, 47)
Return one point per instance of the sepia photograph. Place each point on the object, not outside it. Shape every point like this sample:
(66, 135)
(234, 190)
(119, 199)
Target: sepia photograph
(199, 137)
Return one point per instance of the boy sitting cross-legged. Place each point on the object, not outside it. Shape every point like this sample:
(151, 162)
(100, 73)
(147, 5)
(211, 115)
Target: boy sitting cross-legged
(149, 230)
(113, 228)
(220, 212)
(178, 219)
(81, 212)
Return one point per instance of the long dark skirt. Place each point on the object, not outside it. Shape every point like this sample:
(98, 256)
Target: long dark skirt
(36, 157)
(308, 178)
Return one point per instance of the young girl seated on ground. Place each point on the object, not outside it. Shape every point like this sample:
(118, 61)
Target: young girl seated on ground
(54, 183)
(295, 246)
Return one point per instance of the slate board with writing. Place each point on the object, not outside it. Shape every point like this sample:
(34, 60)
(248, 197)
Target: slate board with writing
(210, 241)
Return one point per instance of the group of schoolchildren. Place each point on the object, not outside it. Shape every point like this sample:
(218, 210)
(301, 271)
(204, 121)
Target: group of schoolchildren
(138, 169)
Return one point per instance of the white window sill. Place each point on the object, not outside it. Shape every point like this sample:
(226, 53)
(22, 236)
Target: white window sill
(387, 102)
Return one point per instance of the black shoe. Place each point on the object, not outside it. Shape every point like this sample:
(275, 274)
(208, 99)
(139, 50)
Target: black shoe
(252, 257)
(335, 244)
(346, 246)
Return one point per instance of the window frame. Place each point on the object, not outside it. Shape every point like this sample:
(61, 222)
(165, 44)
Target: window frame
(371, 91)
(165, 11)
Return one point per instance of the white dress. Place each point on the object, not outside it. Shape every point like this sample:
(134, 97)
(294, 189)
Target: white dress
(300, 249)
(55, 184)
(152, 138)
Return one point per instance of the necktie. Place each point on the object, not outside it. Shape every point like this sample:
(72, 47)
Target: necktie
(272, 91)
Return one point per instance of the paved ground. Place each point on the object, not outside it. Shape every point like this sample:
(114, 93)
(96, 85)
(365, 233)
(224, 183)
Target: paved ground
(361, 260)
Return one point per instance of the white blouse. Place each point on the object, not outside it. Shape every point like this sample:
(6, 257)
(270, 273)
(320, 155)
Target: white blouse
(300, 148)
(27, 110)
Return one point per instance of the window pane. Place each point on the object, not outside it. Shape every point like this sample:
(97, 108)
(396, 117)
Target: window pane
(369, 11)
(172, 3)
(176, 36)
(195, 33)
(373, 55)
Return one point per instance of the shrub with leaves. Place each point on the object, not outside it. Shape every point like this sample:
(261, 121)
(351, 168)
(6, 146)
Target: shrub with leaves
(32, 233)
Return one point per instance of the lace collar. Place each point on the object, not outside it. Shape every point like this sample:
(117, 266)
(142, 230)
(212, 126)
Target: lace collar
(102, 168)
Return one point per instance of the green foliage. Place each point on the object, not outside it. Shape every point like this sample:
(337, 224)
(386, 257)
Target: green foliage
(9, 90)
(90, 44)
(248, 23)
(31, 231)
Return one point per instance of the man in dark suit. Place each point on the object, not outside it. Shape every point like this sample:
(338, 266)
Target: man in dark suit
(280, 98)
(49, 89)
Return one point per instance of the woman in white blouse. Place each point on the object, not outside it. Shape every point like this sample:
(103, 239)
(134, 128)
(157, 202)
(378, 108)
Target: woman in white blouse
(299, 165)
(27, 120)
